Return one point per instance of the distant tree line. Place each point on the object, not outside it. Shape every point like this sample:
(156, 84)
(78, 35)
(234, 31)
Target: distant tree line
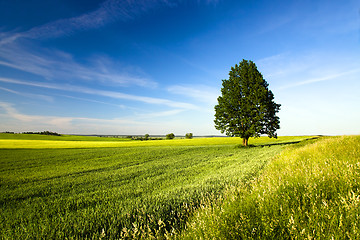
(44, 133)
(144, 138)
(168, 136)
(139, 138)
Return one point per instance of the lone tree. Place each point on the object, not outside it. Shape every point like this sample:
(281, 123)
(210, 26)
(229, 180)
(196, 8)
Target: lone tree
(147, 136)
(246, 107)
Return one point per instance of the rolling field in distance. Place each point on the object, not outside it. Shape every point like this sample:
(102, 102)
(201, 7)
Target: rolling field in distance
(60, 138)
(200, 188)
(15, 141)
(131, 189)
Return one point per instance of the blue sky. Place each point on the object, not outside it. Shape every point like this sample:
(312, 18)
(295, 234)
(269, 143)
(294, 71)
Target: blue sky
(155, 66)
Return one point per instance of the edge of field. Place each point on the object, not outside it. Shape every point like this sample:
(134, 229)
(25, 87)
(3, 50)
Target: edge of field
(309, 191)
(44, 142)
(65, 137)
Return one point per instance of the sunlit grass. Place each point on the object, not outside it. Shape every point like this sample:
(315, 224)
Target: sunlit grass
(139, 190)
(312, 192)
(27, 143)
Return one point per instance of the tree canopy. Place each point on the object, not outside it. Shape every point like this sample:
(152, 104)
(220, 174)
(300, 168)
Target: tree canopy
(246, 107)
(189, 136)
(170, 136)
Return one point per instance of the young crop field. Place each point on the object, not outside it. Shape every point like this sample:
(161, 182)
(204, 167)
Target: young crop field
(16, 141)
(309, 192)
(203, 188)
(119, 189)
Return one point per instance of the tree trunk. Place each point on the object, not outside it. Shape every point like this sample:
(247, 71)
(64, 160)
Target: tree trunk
(245, 141)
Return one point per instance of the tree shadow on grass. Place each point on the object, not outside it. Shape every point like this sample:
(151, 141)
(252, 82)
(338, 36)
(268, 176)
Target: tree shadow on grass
(304, 141)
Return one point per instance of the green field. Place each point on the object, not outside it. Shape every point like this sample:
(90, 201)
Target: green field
(59, 138)
(311, 192)
(78, 189)
(16, 141)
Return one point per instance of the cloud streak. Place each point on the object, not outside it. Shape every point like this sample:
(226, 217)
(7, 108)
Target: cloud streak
(201, 93)
(29, 95)
(320, 79)
(160, 114)
(53, 64)
(60, 65)
(287, 70)
(110, 94)
(16, 121)
(108, 12)
(64, 123)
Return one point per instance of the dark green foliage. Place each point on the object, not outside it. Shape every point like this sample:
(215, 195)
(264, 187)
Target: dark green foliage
(189, 136)
(246, 107)
(44, 133)
(170, 136)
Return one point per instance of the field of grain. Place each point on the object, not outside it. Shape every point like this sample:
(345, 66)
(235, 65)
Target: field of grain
(51, 189)
(16, 141)
(309, 192)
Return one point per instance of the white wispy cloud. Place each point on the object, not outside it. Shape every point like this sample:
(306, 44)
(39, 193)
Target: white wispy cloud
(14, 120)
(29, 95)
(18, 49)
(91, 100)
(284, 64)
(55, 122)
(159, 114)
(12, 112)
(109, 11)
(320, 79)
(288, 70)
(110, 94)
(201, 93)
(59, 65)
(53, 64)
